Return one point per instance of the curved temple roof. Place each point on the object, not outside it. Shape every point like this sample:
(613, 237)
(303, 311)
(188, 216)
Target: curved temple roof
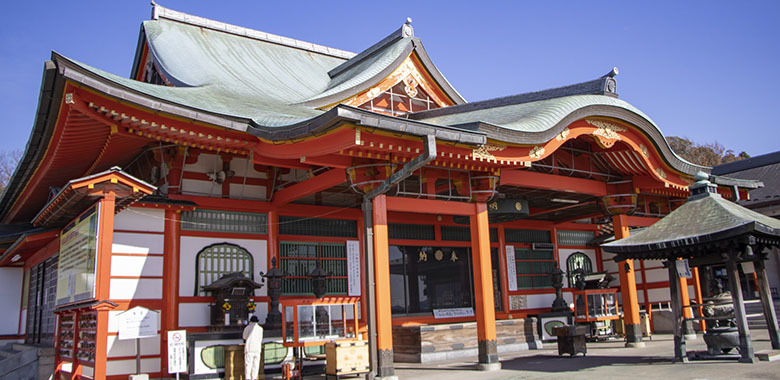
(278, 88)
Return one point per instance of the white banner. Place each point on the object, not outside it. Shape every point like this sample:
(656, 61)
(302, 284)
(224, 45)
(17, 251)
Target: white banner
(177, 351)
(511, 268)
(353, 268)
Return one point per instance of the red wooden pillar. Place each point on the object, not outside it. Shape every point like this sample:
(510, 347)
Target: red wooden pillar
(170, 312)
(384, 313)
(483, 289)
(685, 302)
(631, 318)
(103, 278)
(699, 299)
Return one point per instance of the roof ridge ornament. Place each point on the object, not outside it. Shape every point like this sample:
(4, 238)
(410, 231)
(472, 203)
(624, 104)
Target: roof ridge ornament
(703, 187)
(407, 30)
(610, 84)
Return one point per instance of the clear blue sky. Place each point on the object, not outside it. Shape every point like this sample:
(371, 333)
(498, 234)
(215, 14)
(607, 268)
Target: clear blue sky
(707, 70)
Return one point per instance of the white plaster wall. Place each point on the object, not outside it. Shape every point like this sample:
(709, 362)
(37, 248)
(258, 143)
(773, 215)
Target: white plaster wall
(637, 275)
(657, 275)
(239, 166)
(659, 295)
(138, 243)
(609, 264)
(190, 246)
(197, 187)
(145, 288)
(195, 314)
(137, 266)
(127, 367)
(206, 163)
(248, 192)
(119, 348)
(535, 301)
(140, 219)
(11, 299)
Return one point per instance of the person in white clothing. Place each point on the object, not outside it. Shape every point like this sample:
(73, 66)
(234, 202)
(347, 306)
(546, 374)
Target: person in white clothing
(253, 336)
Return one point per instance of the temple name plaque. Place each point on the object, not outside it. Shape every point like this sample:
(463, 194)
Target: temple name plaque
(453, 313)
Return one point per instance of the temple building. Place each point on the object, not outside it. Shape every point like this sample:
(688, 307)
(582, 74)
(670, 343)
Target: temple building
(233, 150)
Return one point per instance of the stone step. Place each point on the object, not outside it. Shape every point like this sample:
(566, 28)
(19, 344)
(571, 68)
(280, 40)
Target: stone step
(22, 347)
(6, 352)
(768, 355)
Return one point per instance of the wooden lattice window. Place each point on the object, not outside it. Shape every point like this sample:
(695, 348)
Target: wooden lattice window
(298, 259)
(534, 268)
(577, 260)
(218, 260)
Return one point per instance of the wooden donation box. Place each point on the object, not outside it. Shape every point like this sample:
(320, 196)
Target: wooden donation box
(234, 362)
(571, 339)
(346, 358)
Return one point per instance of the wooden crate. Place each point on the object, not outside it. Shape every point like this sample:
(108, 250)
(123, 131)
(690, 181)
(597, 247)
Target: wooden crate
(346, 357)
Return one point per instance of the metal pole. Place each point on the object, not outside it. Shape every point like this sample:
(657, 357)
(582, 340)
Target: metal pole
(368, 221)
(137, 356)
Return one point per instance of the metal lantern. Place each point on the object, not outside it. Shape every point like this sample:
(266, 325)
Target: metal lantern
(318, 281)
(273, 320)
(559, 304)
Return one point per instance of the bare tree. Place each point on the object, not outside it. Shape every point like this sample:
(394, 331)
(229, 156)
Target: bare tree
(711, 154)
(9, 159)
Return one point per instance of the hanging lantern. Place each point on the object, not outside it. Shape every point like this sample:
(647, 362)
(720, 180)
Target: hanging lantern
(618, 204)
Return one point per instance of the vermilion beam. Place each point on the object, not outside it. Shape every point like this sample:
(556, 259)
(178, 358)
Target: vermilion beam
(428, 206)
(310, 186)
(330, 160)
(534, 180)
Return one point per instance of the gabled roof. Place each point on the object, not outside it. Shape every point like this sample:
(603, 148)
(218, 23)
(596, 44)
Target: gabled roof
(377, 62)
(764, 168)
(79, 194)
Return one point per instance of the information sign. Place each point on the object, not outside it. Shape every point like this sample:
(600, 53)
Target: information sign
(138, 322)
(177, 351)
(683, 270)
(78, 253)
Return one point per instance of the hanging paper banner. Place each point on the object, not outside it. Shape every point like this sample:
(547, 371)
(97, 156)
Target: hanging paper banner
(511, 269)
(353, 268)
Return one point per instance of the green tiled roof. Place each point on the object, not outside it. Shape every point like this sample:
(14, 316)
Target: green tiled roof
(535, 116)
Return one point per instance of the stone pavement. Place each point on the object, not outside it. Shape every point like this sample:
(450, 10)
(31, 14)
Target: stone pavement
(605, 360)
